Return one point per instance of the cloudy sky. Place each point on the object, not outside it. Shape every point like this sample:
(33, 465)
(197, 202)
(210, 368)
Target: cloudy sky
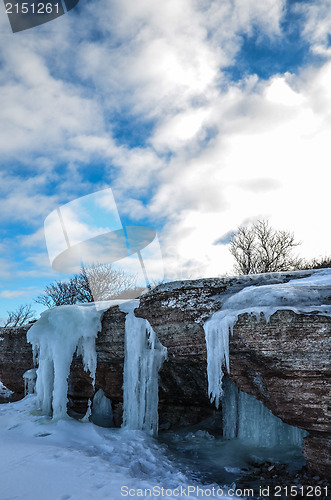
(201, 115)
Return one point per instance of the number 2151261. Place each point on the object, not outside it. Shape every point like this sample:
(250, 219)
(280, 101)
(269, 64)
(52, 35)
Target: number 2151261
(32, 8)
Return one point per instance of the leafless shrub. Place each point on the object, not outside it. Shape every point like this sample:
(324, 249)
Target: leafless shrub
(92, 283)
(263, 249)
(22, 315)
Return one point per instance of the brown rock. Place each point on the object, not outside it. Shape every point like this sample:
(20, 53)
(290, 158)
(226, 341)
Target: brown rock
(317, 452)
(15, 359)
(285, 363)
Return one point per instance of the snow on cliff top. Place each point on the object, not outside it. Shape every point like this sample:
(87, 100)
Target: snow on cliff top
(311, 294)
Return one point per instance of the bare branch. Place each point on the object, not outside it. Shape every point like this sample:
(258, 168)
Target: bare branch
(22, 315)
(263, 249)
(93, 283)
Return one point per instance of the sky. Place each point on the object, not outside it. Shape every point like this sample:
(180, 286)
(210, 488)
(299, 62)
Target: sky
(200, 115)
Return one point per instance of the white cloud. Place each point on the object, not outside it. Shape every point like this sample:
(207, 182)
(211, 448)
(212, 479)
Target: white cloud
(154, 59)
(23, 199)
(317, 26)
(6, 268)
(177, 130)
(36, 239)
(13, 294)
(218, 154)
(159, 56)
(273, 163)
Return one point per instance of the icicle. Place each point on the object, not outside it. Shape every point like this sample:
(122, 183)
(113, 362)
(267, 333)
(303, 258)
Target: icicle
(55, 337)
(217, 343)
(303, 295)
(30, 377)
(144, 356)
(88, 413)
(230, 408)
(246, 418)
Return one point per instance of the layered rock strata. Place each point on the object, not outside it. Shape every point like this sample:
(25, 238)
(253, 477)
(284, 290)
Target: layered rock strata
(285, 363)
(15, 359)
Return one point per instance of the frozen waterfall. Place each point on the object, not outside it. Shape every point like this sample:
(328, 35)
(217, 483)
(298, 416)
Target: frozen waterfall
(144, 356)
(64, 330)
(55, 337)
(246, 418)
(304, 295)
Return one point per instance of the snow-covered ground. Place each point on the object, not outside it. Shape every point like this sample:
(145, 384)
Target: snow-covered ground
(43, 459)
(4, 392)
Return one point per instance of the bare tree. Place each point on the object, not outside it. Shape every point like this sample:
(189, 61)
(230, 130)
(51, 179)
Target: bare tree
(22, 315)
(263, 249)
(102, 282)
(92, 283)
(318, 263)
(60, 293)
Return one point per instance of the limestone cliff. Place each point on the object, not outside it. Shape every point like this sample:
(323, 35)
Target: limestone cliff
(285, 363)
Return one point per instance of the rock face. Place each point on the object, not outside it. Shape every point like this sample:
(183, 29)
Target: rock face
(285, 363)
(15, 359)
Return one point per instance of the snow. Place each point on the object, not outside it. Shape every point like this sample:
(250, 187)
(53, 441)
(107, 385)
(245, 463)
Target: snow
(42, 458)
(5, 393)
(55, 337)
(144, 356)
(245, 418)
(303, 295)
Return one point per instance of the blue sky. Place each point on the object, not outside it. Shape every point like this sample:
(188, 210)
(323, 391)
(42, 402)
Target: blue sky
(200, 115)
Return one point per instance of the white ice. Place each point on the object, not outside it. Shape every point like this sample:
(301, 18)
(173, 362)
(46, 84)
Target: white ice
(62, 331)
(246, 418)
(304, 295)
(102, 413)
(144, 355)
(30, 378)
(4, 391)
(55, 337)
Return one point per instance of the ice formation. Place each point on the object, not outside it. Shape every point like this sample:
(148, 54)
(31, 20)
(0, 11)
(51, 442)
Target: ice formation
(102, 413)
(5, 393)
(55, 337)
(144, 355)
(304, 295)
(30, 378)
(62, 331)
(246, 418)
